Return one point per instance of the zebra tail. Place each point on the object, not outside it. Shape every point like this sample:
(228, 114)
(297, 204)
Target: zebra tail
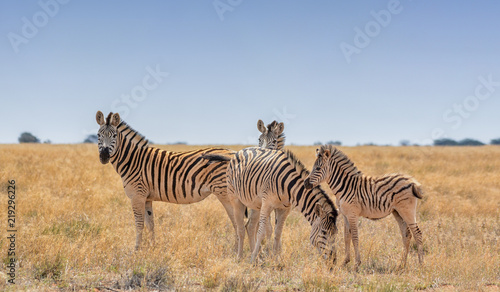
(215, 158)
(417, 191)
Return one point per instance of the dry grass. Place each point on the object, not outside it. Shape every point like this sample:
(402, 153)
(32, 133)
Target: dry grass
(76, 229)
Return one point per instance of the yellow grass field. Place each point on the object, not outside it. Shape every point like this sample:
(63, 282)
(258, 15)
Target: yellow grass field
(75, 229)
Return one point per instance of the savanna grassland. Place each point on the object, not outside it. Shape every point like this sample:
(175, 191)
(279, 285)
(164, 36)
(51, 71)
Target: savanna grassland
(76, 229)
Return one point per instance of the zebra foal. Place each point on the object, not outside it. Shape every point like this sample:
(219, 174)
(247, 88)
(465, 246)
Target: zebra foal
(271, 137)
(268, 180)
(371, 197)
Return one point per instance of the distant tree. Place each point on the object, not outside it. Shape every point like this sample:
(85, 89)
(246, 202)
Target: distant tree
(91, 139)
(370, 144)
(317, 143)
(470, 142)
(47, 141)
(495, 141)
(336, 143)
(445, 142)
(180, 143)
(27, 137)
(404, 142)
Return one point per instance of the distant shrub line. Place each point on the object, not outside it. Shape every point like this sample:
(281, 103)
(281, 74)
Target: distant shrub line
(27, 137)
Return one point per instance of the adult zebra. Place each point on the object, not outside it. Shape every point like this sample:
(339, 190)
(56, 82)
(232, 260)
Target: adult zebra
(150, 174)
(371, 197)
(267, 180)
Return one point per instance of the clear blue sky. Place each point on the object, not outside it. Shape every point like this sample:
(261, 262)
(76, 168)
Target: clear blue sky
(204, 72)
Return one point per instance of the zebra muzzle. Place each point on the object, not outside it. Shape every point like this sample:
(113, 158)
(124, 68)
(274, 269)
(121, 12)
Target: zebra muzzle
(104, 155)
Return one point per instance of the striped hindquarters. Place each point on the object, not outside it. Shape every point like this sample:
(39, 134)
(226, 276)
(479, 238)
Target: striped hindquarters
(390, 190)
(184, 177)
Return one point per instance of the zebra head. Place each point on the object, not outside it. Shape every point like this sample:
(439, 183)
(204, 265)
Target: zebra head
(324, 231)
(270, 134)
(320, 168)
(107, 135)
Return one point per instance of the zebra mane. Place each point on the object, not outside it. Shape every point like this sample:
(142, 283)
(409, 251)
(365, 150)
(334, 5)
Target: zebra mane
(339, 156)
(281, 141)
(304, 173)
(130, 134)
(297, 164)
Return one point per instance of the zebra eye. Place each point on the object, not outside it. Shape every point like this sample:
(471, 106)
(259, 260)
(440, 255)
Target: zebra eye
(318, 168)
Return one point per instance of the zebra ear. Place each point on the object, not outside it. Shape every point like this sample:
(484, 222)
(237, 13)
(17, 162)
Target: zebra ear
(317, 152)
(318, 210)
(99, 117)
(115, 120)
(261, 126)
(279, 129)
(327, 153)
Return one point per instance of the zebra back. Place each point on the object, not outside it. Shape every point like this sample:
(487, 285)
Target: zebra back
(178, 177)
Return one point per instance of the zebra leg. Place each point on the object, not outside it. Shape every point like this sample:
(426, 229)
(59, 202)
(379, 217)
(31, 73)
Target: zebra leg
(239, 216)
(417, 234)
(269, 229)
(138, 207)
(252, 224)
(408, 216)
(150, 224)
(281, 215)
(347, 241)
(265, 211)
(405, 234)
(230, 212)
(354, 233)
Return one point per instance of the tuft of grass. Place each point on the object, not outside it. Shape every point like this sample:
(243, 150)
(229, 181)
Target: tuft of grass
(239, 283)
(73, 228)
(156, 278)
(49, 268)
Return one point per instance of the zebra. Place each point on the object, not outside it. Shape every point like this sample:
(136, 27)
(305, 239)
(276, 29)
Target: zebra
(267, 180)
(150, 174)
(371, 197)
(272, 136)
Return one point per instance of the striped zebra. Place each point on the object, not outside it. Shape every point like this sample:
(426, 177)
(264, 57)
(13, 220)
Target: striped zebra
(150, 174)
(371, 197)
(267, 180)
(272, 136)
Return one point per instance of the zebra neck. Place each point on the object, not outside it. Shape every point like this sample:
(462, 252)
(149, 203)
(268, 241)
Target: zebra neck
(344, 179)
(305, 200)
(129, 148)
